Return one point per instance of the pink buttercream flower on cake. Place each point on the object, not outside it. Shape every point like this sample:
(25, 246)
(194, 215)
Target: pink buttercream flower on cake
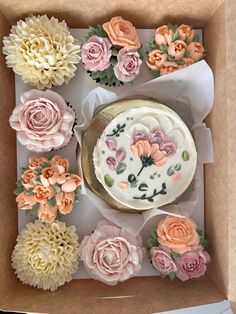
(195, 50)
(163, 35)
(96, 53)
(111, 254)
(162, 260)
(128, 65)
(152, 148)
(192, 264)
(43, 121)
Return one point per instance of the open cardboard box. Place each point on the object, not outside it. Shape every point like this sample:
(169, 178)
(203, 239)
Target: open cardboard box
(149, 294)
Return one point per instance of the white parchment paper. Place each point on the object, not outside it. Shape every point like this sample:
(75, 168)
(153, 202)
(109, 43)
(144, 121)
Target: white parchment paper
(190, 93)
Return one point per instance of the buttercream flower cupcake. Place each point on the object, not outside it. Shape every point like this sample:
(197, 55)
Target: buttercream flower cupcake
(46, 255)
(42, 51)
(173, 48)
(43, 121)
(47, 188)
(177, 249)
(111, 254)
(110, 52)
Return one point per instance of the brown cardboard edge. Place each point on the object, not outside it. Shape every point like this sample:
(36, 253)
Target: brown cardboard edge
(230, 14)
(78, 294)
(8, 210)
(216, 180)
(84, 13)
(138, 295)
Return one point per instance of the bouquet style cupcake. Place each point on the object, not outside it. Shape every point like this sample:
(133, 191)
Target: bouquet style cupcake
(47, 188)
(111, 53)
(177, 249)
(173, 48)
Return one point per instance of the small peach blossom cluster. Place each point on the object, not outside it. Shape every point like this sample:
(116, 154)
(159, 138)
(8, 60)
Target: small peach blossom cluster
(173, 48)
(47, 188)
(177, 249)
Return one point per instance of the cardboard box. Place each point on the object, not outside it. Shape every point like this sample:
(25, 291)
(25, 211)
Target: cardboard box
(138, 295)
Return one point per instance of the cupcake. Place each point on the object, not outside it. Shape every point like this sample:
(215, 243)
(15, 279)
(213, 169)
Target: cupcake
(43, 121)
(42, 51)
(110, 52)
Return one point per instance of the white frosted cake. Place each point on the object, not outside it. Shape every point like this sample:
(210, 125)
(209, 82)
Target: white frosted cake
(145, 157)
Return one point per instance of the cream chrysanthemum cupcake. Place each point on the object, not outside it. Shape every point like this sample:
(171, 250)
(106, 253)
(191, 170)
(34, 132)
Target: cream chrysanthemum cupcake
(42, 51)
(46, 255)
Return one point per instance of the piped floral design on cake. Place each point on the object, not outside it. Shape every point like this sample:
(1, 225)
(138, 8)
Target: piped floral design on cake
(153, 148)
(145, 157)
(117, 162)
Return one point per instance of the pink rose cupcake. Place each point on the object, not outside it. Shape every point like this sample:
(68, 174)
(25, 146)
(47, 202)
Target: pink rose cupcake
(111, 254)
(43, 121)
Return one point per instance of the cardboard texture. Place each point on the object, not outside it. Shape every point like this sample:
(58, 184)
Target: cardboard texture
(138, 295)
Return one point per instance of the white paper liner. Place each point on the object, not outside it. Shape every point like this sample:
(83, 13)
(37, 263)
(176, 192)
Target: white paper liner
(189, 92)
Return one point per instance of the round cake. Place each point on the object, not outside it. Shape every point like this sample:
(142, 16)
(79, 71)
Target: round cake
(145, 157)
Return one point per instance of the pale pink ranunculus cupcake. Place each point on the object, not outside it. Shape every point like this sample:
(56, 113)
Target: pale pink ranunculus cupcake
(128, 65)
(111, 254)
(43, 121)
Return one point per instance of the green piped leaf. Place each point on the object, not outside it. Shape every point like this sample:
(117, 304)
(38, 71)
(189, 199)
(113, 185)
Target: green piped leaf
(57, 188)
(187, 54)
(45, 164)
(172, 275)
(175, 255)
(164, 48)
(18, 190)
(37, 171)
(115, 52)
(151, 242)
(30, 192)
(176, 36)
(108, 180)
(151, 45)
(52, 202)
(155, 74)
(180, 62)
(121, 168)
(172, 27)
(185, 155)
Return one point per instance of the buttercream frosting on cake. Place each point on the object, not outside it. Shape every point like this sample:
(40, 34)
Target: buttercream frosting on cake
(145, 157)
